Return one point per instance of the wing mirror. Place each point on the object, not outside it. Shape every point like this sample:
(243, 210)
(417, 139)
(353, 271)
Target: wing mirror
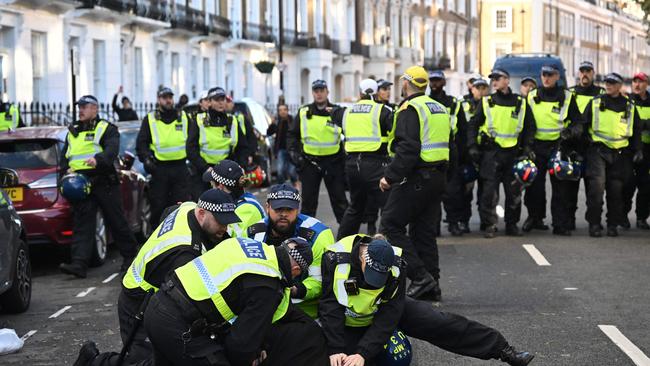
(8, 177)
(126, 160)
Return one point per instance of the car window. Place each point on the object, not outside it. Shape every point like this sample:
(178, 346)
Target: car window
(127, 140)
(29, 154)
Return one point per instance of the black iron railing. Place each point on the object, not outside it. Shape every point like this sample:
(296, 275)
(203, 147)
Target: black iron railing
(219, 25)
(60, 114)
(258, 32)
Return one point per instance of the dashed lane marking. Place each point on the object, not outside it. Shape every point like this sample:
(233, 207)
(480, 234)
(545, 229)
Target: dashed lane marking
(629, 348)
(110, 278)
(27, 335)
(61, 311)
(570, 288)
(86, 292)
(536, 255)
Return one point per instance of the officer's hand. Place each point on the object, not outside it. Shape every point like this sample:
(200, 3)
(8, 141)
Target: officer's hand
(294, 291)
(260, 359)
(638, 157)
(150, 165)
(337, 359)
(354, 360)
(70, 171)
(383, 184)
(474, 154)
(566, 134)
(250, 160)
(529, 153)
(91, 161)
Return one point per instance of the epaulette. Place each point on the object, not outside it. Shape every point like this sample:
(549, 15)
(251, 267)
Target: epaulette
(256, 228)
(307, 233)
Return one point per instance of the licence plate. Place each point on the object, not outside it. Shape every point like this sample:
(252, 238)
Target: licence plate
(15, 193)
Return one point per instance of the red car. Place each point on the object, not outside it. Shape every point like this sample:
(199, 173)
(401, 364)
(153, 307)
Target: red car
(34, 153)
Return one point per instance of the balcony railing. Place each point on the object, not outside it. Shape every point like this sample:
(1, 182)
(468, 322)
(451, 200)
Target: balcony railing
(324, 41)
(305, 39)
(219, 25)
(357, 48)
(156, 10)
(188, 18)
(258, 32)
(123, 6)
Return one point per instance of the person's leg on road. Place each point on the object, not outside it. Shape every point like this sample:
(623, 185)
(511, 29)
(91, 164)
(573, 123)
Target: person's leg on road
(110, 202)
(358, 199)
(595, 186)
(158, 195)
(334, 170)
(84, 226)
(422, 233)
(310, 176)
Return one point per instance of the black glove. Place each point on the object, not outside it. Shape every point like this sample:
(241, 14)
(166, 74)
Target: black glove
(150, 165)
(474, 153)
(638, 157)
(297, 159)
(529, 153)
(566, 134)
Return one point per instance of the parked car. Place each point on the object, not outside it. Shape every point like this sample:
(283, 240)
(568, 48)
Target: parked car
(520, 65)
(15, 267)
(34, 152)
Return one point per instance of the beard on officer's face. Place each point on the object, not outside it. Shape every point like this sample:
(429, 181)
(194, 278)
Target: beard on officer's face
(283, 226)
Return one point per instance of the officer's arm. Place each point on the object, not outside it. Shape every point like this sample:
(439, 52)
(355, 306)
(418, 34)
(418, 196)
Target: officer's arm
(240, 152)
(193, 148)
(293, 136)
(637, 131)
(407, 146)
(337, 115)
(461, 135)
(110, 144)
(331, 313)
(312, 286)
(386, 120)
(527, 135)
(251, 140)
(260, 299)
(574, 114)
(164, 265)
(474, 124)
(143, 141)
(383, 324)
(586, 120)
(64, 164)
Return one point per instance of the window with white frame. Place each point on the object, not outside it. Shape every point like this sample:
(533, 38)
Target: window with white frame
(502, 17)
(138, 74)
(160, 68)
(176, 66)
(206, 73)
(99, 69)
(38, 65)
(194, 70)
(461, 7)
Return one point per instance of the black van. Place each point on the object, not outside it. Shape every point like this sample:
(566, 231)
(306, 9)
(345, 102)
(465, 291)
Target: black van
(520, 65)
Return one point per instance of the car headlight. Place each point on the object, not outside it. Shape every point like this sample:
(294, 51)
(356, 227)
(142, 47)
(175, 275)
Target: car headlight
(48, 181)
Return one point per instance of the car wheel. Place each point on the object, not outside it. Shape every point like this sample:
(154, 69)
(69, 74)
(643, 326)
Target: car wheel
(18, 297)
(145, 218)
(101, 242)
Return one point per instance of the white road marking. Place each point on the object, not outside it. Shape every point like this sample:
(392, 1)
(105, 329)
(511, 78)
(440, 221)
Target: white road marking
(570, 288)
(537, 256)
(61, 311)
(110, 278)
(86, 292)
(264, 190)
(631, 350)
(500, 211)
(27, 335)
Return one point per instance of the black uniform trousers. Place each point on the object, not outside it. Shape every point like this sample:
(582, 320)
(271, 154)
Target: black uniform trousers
(104, 196)
(294, 340)
(169, 185)
(331, 170)
(496, 169)
(640, 183)
(451, 332)
(561, 190)
(128, 305)
(414, 204)
(458, 197)
(363, 172)
(606, 170)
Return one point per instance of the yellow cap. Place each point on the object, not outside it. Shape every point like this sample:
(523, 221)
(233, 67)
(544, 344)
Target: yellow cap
(417, 75)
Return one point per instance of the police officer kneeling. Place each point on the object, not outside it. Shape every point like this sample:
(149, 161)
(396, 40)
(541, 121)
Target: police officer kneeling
(91, 148)
(231, 306)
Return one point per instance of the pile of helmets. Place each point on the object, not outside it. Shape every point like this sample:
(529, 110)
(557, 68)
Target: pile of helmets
(565, 166)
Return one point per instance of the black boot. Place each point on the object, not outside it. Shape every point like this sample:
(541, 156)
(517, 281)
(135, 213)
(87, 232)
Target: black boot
(422, 285)
(572, 224)
(533, 223)
(612, 231)
(433, 295)
(642, 224)
(464, 227)
(87, 354)
(562, 231)
(595, 230)
(454, 229)
(371, 229)
(490, 231)
(513, 230)
(75, 268)
(514, 358)
(625, 224)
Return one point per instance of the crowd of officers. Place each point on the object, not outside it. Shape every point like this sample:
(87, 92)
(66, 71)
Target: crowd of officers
(224, 280)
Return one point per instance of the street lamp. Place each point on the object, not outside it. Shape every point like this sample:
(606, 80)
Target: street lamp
(597, 50)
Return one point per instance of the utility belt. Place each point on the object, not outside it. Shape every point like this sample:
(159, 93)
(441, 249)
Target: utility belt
(368, 155)
(427, 172)
(202, 322)
(601, 147)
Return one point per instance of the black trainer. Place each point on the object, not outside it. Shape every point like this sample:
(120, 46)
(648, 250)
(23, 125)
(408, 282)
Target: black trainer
(490, 231)
(625, 224)
(513, 230)
(87, 354)
(642, 224)
(533, 223)
(422, 285)
(595, 231)
(464, 227)
(562, 231)
(514, 358)
(454, 229)
(612, 231)
(76, 269)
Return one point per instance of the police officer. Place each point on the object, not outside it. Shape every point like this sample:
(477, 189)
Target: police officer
(161, 148)
(416, 180)
(204, 102)
(366, 126)
(641, 180)
(246, 127)
(228, 176)
(314, 144)
(284, 221)
(613, 128)
(528, 83)
(9, 117)
(364, 302)
(453, 197)
(231, 306)
(91, 147)
(384, 92)
(554, 110)
(189, 230)
(501, 131)
(214, 136)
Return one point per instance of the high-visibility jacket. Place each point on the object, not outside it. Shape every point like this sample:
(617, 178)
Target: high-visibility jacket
(319, 236)
(582, 100)
(168, 139)
(85, 145)
(216, 142)
(9, 119)
(319, 135)
(453, 111)
(241, 121)
(207, 276)
(644, 114)
(249, 212)
(549, 116)
(613, 129)
(467, 109)
(503, 123)
(434, 128)
(362, 128)
(172, 233)
(360, 308)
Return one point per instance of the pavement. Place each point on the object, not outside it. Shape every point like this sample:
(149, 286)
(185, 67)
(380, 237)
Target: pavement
(569, 300)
